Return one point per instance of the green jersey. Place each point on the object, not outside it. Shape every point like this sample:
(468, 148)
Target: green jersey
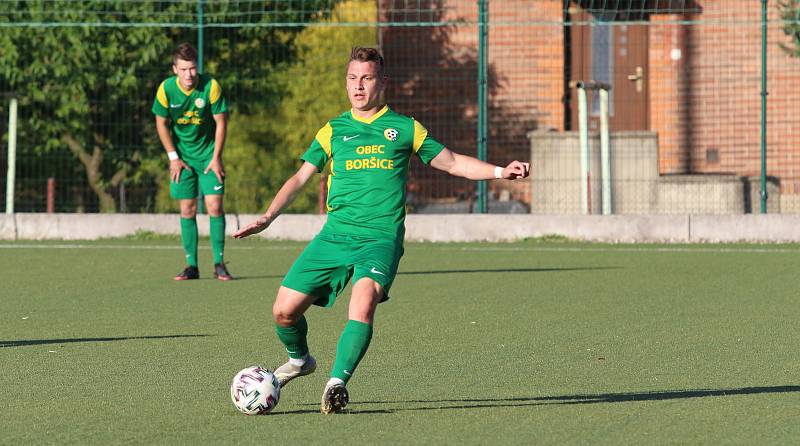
(369, 169)
(192, 115)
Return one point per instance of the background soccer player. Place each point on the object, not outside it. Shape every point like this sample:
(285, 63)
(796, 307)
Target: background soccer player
(191, 119)
(369, 147)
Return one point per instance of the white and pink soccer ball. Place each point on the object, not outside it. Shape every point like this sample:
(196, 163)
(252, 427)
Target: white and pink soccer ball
(255, 391)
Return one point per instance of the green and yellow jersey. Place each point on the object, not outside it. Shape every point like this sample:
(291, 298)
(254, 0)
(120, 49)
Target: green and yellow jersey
(369, 169)
(192, 115)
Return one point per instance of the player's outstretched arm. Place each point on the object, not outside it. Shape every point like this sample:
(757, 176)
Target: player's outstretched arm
(474, 169)
(283, 198)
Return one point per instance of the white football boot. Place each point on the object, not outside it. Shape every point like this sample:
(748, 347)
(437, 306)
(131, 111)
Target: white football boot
(289, 371)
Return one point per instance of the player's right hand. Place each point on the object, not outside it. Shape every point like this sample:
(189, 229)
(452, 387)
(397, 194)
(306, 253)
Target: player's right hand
(175, 167)
(255, 227)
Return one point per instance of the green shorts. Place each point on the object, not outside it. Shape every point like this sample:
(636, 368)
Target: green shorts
(192, 178)
(330, 261)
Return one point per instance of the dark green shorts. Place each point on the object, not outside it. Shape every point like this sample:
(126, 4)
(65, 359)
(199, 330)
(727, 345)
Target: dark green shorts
(330, 261)
(192, 178)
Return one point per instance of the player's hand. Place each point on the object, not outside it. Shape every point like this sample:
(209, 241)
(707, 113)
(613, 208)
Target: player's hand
(216, 166)
(255, 227)
(516, 170)
(175, 167)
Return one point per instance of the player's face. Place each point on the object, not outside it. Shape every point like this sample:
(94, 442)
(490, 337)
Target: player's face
(186, 70)
(365, 86)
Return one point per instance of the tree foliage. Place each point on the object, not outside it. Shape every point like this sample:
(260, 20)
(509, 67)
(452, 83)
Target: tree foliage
(265, 145)
(85, 72)
(790, 14)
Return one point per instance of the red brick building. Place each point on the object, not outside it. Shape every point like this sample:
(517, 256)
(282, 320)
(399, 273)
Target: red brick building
(691, 74)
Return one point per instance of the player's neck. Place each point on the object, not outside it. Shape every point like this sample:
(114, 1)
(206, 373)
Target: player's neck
(366, 114)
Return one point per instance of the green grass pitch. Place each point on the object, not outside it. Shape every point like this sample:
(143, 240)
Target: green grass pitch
(525, 343)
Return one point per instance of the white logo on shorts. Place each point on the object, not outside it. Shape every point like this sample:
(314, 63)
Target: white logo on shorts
(375, 271)
(218, 187)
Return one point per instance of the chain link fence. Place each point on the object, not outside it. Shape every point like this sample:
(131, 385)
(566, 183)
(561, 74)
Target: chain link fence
(682, 123)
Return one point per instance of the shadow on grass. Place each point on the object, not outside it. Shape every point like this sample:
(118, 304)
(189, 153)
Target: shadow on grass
(506, 270)
(484, 403)
(281, 276)
(26, 342)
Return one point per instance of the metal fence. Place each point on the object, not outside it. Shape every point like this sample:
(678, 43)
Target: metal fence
(684, 116)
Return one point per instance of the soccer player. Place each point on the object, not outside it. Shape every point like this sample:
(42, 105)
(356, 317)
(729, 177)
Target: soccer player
(191, 119)
(369, 147)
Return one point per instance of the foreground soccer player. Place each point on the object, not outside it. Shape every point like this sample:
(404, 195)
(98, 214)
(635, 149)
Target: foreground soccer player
(191, 119)
(369, 147)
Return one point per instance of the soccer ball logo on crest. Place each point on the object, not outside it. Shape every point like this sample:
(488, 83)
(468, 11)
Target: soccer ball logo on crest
(390, 134)
(255, 391)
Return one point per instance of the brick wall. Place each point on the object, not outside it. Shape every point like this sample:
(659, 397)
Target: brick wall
(724, 102)
(704, 85)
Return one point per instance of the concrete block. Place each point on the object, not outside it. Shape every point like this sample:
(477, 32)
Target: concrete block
(790, 204)
(700, 194)
(556, 179)
(8, 227)
(752, 195)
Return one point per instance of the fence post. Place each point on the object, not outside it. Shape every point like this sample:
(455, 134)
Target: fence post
(51, 195)
(763, 106)
(583, 137)
(12, 155)
(199, 36)
(605, 153)
(483, 48)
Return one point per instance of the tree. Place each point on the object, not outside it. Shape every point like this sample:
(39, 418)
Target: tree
(86, 74)
(790, 14)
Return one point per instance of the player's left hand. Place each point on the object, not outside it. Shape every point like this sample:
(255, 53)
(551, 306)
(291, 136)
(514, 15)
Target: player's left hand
(255, 227)
(216, 166)
(516, 170)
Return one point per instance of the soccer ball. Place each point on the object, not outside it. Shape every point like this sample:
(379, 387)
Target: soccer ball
(255, 391)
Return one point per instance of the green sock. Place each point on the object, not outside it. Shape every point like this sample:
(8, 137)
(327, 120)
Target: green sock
(189, 239)
(217, 232)
(294, 338)
(353, 344)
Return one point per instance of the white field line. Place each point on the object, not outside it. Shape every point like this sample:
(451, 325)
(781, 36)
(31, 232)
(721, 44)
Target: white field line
(135, 247)
(612, 249)
(426, 246)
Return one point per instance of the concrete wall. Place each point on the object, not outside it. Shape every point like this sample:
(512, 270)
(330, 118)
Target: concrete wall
(636, 186)
(439, 228)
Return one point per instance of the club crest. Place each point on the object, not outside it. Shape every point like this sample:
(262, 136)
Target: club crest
(390, 134)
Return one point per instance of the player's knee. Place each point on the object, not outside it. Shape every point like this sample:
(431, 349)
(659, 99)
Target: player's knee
(189, 212)
(215, 209)
(283, 317)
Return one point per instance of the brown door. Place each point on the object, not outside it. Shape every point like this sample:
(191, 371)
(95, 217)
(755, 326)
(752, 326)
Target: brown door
(606, 50)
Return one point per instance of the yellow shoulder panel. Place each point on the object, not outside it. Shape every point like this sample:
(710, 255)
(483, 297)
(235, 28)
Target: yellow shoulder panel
(420, 133)
(324, 138)
(161, 95)
(216, 91)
